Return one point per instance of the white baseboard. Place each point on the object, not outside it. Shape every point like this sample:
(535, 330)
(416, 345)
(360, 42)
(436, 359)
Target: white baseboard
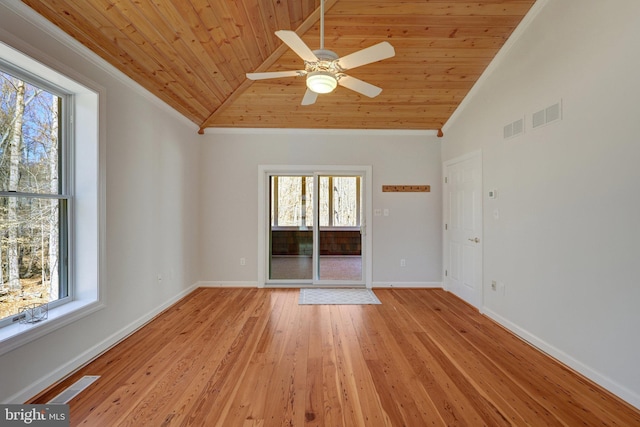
(622, 392)
(406, 284)
(225, 284)
(95, 351)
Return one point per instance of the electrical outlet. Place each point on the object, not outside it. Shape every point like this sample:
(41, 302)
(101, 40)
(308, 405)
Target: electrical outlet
(494, 285)
(403, 263)
(501, 288)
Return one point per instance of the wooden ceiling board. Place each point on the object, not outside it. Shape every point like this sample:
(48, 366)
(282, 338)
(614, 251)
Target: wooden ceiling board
(193, 54)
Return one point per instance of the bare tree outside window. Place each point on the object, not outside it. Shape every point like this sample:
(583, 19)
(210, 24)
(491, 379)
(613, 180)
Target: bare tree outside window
(339, 201)
(293, 199)
(30, 203)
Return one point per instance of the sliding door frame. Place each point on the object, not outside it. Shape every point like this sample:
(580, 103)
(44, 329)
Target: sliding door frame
(266, 171)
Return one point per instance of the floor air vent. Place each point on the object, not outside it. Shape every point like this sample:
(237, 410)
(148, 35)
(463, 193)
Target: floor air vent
(74, 389)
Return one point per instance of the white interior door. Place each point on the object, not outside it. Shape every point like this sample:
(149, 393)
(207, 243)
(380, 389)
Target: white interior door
(463, 228)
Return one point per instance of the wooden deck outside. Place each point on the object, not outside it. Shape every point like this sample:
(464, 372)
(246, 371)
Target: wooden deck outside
(254, 357)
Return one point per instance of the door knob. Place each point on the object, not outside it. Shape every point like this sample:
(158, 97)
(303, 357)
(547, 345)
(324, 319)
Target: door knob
(476, 240)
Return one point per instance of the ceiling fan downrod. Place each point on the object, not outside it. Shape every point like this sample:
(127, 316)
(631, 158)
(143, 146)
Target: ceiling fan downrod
(322, 24)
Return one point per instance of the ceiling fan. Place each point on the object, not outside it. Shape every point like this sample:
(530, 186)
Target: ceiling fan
(324, 69)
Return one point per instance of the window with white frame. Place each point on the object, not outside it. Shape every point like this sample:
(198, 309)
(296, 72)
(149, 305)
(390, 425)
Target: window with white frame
(34, 200)
(50, 197)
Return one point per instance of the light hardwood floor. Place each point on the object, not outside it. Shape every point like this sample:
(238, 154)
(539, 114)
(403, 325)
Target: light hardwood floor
(254, 357)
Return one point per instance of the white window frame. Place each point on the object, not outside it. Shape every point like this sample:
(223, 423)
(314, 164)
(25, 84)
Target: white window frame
(85, 192)
(65, 176)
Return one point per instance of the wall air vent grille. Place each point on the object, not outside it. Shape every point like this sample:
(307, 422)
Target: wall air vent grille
(508, 131)
(538, 119)
(518, 127)
(552, 113)
(513, 129)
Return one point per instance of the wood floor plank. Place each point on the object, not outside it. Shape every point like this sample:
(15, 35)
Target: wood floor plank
(214, 402)
(461, 357)
(543, 382)
(332, 398)
(186, 377)
(457, 401)
(254, 357)
(523, 366)
(401, 394)
(359, 391)
(133, 353)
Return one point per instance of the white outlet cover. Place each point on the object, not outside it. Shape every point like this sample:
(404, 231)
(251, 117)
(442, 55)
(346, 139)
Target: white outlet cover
(501, 288)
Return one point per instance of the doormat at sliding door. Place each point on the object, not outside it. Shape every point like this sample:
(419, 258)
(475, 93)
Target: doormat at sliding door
(337, 296)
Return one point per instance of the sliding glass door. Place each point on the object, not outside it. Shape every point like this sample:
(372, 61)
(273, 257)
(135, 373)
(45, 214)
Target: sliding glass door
(339, 236)
(315, 229)
(291, 227)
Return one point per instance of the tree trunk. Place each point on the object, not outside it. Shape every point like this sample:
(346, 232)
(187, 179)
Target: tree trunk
(14, 177)
(54, 284)
(1, 262)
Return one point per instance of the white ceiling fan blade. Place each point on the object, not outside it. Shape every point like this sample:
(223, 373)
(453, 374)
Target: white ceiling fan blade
(293, 40)
(359, 86)
(309, 97)
(275, 74)
(374, 53)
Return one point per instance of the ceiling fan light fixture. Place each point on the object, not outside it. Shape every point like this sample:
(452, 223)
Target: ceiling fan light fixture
(321, 81)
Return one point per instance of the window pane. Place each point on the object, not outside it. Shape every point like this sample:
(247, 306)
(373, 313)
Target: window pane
(29, 252)
(29, 135)
(345, 205)
(289, 201)
(324, 201)
(309, 201)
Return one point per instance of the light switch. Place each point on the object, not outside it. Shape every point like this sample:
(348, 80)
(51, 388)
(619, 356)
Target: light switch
(377, 212)
(386, 212)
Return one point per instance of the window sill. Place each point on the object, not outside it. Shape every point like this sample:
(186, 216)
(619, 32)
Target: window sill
(18, 334)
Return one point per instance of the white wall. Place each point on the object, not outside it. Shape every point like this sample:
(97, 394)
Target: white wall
(151, 212)
(229, 172)
(566, 243)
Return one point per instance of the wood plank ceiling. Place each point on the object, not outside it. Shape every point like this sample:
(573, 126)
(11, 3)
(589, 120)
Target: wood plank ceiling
(193, 54)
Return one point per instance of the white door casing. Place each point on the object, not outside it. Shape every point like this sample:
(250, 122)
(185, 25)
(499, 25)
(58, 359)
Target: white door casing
(462, 207)
(264, 171)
